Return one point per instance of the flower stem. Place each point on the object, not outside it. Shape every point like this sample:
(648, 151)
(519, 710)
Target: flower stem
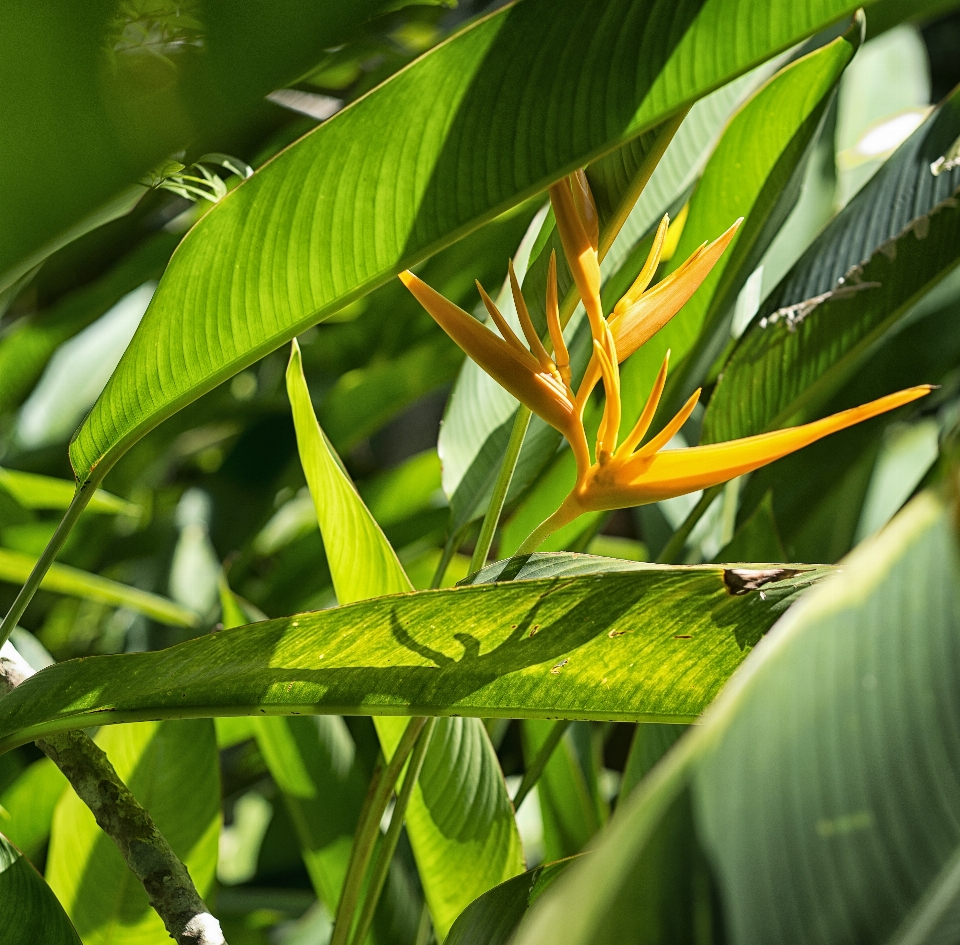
(500, 489)
(389, 845)
(563, 516)
(80, 499)
(368, 830)
(532, 774)
(674, 547)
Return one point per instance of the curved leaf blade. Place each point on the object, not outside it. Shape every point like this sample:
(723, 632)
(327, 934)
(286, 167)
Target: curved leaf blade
(786, 787)
(362, 197)
(29, 911)
(651, 643)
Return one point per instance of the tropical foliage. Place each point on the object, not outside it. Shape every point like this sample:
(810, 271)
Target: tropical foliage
(480, 473)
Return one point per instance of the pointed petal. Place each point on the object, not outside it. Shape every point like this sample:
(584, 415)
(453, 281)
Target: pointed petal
(529, 332)
(676, 472)
(649, 268)
(506, 332)
(633, 326)
(561, 355)
(581, 256)
(606, 356)
(649, 409)
(514, 370)
(673, 427)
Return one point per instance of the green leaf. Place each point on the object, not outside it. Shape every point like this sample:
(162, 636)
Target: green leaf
(567, 805)
(755, 173)
(887, 249)
(312, 231)
(172, 769)
(493, 917)
(29, 911)
(62, 579)
(33, 491)
(649, 643)
(460, 820)
(27, 806)
(824, 797)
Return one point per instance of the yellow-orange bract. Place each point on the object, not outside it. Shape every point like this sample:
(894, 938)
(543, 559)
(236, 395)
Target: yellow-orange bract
(627, 474)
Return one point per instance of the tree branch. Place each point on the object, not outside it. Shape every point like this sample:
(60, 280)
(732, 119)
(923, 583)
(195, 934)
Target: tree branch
(146, 851)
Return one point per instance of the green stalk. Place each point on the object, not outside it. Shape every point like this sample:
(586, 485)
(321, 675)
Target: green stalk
(532, 774)
(674, 547)
(83, 495)
(449, 550)
(389, 845)
(500, 489)
(368, 830)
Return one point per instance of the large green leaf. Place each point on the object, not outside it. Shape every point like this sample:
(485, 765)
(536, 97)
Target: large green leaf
(172, 770)
(493, 917)
(889, 246)
(650, 642)
(15, 567)
(29, 911)
(361, 197)
(818, 798)
(460, 820)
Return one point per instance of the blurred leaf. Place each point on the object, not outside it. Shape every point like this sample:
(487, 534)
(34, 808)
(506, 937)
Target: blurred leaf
(811, 827)
(885, 14)
(29, 911)
(189, 342)
(27, 344)
(26, 807)
(757, 538)
(171, 768)
(493, 917)
(460, 820)
(33, 491)
(652, 642)
(62, 579)
(94, 100)
(567, 806)
(828, 311)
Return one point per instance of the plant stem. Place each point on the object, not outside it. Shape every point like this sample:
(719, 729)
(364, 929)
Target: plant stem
(674, 547)
(389, 845)
(119, 814)
(83, 495)
(449, 550)
(532, 774)
(500, 488)
(368, 830)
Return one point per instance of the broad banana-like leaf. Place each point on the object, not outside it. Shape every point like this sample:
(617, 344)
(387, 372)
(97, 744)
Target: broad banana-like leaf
(27, 806)
(363, 197)
(636, 642)
(819, 794)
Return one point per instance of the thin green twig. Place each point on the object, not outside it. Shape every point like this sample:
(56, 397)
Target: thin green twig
(533, 772)
(389, 844)
(83, 495)
(368, 829)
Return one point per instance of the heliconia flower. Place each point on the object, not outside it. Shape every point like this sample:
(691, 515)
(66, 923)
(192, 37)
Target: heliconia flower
(627, 474)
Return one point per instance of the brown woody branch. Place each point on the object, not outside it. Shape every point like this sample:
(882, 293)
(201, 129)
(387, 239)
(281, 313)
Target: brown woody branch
(146, 851)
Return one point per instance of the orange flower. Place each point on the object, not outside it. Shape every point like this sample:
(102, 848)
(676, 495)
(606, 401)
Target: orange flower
(627, 474)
